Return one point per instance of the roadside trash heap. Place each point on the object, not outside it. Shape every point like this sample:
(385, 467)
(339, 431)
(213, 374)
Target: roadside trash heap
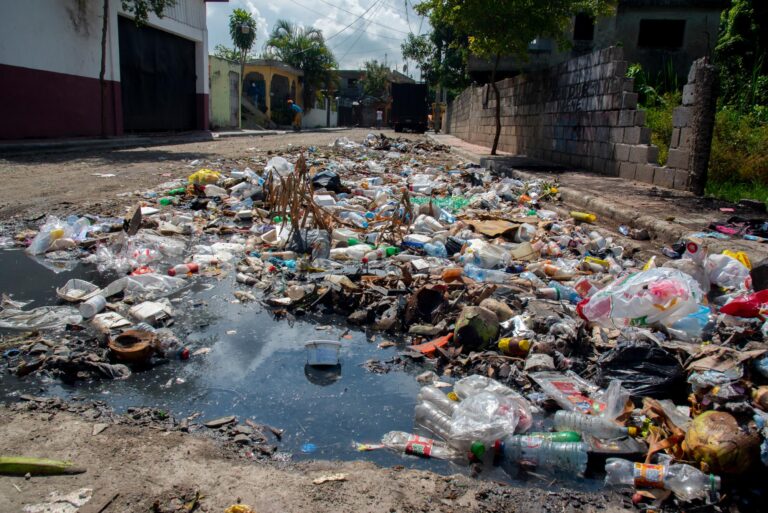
(566, 349)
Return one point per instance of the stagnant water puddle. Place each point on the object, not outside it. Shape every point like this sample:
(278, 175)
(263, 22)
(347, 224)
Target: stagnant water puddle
(256, 368)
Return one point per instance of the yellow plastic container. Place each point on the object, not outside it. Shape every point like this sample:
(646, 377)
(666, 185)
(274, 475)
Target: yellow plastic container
(584, 217)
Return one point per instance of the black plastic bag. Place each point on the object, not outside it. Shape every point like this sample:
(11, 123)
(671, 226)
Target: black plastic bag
(645, 370)
(327, 180)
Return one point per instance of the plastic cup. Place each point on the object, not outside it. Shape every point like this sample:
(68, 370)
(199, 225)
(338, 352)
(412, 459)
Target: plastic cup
(93, 306)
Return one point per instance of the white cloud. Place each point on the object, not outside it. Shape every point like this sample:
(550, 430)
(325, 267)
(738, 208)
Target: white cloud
(363, 40)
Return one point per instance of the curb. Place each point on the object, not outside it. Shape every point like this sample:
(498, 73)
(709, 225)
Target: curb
(66, 146)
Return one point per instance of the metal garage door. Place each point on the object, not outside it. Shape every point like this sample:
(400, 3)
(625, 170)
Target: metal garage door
(157, 79)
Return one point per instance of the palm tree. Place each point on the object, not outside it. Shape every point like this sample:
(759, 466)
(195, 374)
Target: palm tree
(242, 30)
(303, 48)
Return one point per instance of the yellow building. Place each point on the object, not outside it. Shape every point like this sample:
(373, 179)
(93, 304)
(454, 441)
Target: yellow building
(267, 86)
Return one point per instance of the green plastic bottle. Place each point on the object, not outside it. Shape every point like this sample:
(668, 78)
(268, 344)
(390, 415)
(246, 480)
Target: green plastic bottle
(177, 192)
(392, 251)
(558, 436)
(167, 201)
(352, 241)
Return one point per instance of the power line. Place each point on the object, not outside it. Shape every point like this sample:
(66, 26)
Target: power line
(374, 22)
(359, 36)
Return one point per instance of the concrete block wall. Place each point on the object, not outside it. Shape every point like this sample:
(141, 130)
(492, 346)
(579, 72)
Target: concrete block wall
(581, 113)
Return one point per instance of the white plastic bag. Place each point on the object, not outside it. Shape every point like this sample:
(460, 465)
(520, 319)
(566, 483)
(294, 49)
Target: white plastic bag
(726, 272)
(658, 295)
(473, 385)
(485, 417)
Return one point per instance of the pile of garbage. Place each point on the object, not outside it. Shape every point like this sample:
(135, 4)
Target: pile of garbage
(567, 350)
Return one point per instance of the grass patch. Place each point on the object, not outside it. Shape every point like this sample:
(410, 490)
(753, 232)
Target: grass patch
(659, 120)
(735, 191)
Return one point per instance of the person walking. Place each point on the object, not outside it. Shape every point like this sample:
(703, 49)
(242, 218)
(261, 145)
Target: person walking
(379, 118)
(297, 112)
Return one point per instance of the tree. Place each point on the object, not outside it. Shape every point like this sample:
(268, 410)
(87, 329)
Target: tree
(242, 30)
(375, 79)
(230, 54)
(140, 10)
(741, 54)
(421, 50)
(303, 48)
(506, 27)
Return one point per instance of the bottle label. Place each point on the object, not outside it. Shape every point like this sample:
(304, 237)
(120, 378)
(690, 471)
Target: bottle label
(419, 446)
(648, 476)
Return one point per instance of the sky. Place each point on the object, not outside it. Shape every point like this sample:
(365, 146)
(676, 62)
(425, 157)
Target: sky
(355, 30)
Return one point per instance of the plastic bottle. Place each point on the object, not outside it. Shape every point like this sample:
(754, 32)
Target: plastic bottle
(205, 259)
(556, 436)
(420, 446)
(437, 422)
(343, 234)
(486, 275)
(436, 249)
(426, 224)
(584, 217)
(685, 481)
(354, 218)
(433, 395)
(354, 253)
(514, 346)
(450, 274)
(525, 233)
(560, 292)
(214, 191)
(560, 457)
(587, 424)
(182, 269)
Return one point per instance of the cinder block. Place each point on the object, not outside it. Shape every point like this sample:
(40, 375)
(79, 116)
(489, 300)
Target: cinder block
(664, 177)
(686, 138)
(612, 168)
(617, 135)
(632, 135)
(678, 158)
(675, 141)
(640, 116)
(681, 179)
(681, 117)
(628, 100)
(645, 135)
(627, 170)
(626, 117)
(644, 173)
(621, 152)
(689, 95)
(643, 154)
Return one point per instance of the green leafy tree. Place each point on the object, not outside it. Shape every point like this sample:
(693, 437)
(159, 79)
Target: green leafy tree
(231, 54)
(420, 50)
(375, 79)
(304, 48)
(740, 54)
(140, 10)
(242, 30)
(506, 27)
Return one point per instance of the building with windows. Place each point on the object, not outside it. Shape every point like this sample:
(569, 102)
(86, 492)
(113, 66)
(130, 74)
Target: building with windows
(155, 76)
(660, 35)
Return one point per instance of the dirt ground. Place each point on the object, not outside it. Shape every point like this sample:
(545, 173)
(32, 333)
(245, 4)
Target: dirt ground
(145, 465)
(34, 185)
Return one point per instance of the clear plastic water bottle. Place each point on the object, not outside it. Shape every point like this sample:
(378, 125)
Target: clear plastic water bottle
(420, 446)
(428, 416)
(588, 424)
(436, 249)
(354, 218)
(565, 293)
(487, 275)
(685, 481)
(433, 395)
(557, 457)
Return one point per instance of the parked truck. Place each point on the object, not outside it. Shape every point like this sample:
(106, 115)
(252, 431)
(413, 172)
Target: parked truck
(409, 107)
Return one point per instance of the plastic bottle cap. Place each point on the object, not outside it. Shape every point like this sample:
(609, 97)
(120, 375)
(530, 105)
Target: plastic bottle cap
(477, 449)
(632, 431)
(452, 396)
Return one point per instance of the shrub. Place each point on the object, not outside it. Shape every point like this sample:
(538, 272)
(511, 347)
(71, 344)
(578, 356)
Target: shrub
(739, 148)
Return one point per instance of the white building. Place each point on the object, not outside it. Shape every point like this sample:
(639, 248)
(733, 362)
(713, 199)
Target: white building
(50, 61)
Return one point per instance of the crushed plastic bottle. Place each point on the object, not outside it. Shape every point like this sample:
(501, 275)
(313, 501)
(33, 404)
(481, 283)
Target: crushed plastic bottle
(686, 482)
(588, 424)
(544, 455)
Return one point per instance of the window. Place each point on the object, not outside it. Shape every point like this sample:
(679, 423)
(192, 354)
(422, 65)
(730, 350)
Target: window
(583, 27)
(661, 33)
(351, 82)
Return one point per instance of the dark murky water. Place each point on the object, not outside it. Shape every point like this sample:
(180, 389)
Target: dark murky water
(258, 371)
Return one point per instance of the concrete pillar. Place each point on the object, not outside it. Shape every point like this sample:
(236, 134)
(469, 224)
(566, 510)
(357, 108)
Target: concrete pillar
(703, 77)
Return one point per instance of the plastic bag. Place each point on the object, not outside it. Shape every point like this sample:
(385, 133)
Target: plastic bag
(645, 369)
(570, 391)
(473, 385)
(278, 165)
(750, 305)
(327, 180)
(146, 286)
(44, 317)
(52, 230)
(658, 295)
(204, 177)
(727, 272)
(485, 255)
(484, 416)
